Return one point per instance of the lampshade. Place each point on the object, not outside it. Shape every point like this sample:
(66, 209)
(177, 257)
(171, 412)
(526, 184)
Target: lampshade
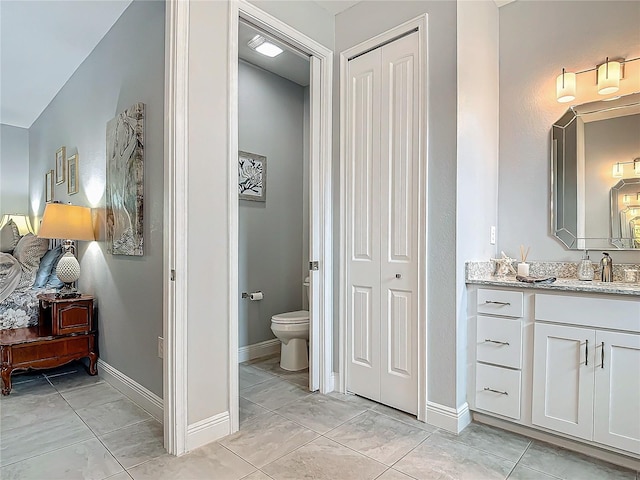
(22, 222)
(566, 87)
(608, 77)
(617, 170)
(66, 221)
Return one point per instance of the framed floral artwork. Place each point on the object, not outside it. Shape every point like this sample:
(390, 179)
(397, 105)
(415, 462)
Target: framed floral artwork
(252, 177)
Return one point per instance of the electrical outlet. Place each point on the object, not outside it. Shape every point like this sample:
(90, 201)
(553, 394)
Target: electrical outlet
(160, 347)
(492, 239)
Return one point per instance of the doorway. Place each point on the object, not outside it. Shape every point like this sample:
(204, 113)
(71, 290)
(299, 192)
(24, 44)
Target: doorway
(320, 209)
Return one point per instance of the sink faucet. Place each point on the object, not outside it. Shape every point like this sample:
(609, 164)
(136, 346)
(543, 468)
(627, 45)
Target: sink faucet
(606, 263)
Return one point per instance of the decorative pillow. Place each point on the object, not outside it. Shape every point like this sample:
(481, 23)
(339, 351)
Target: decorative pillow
(46, 266)
(9, 237)
(28, 252)
(53, 281)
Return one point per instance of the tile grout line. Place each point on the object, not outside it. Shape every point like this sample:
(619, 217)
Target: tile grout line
(520, 458)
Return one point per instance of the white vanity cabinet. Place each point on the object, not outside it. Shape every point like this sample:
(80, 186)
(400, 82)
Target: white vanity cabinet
(564, 363)
(586, 379)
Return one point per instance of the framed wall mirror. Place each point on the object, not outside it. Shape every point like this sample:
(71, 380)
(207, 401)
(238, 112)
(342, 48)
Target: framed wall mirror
(594, 181)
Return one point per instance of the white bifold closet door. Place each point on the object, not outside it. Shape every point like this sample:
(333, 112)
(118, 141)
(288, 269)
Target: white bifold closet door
(382, 224)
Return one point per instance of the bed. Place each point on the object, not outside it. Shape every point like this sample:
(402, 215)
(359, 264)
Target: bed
(27, 268)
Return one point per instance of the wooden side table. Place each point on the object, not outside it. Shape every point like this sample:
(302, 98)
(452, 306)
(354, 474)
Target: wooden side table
(63, 316)
(65, 332)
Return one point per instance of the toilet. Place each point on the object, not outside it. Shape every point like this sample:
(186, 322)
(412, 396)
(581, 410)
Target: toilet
(292, 329)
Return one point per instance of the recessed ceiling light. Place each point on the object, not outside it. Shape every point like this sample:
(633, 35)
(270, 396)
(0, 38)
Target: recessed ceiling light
(260, 45)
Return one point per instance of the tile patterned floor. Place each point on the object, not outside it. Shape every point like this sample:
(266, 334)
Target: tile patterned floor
(66, 425)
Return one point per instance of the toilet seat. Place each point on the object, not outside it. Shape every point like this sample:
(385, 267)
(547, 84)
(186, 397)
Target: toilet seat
(291, 318)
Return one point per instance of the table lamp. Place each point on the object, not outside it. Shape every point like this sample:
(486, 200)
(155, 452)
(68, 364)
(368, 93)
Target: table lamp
(21, 220)
(68, 222)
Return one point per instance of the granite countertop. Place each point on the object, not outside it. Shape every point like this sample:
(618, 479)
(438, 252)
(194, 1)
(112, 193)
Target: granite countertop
(561, 284)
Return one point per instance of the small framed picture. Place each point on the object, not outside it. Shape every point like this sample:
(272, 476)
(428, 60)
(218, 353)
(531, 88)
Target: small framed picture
(252, 177)
(48, 186)
(72, 172)
(61, 163)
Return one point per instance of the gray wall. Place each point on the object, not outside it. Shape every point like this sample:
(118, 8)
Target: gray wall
(270, 123)
(606, 142)
(538, 39)
(126, 67)
(477, 186)
(14, 169)
(359, 23)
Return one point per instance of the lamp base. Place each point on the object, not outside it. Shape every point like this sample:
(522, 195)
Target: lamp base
(68, 291)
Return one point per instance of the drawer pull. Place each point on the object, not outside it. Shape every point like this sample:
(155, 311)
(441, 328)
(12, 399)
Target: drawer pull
(495, 341)
(586, 352)
(497, 303)
(602, 356)
(487, 389)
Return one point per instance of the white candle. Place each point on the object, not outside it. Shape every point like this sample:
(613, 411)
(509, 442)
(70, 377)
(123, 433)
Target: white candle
(523, 269)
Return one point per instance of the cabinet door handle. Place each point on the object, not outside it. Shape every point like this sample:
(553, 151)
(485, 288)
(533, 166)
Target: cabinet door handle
(495, 341)
(586, 352)
(487, 389)
(497, 303)
(602, 356)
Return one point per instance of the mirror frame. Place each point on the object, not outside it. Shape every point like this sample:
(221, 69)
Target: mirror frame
(567, 213)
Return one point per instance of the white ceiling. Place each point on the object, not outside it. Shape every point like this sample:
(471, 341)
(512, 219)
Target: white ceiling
(42, 43)
(336, 6)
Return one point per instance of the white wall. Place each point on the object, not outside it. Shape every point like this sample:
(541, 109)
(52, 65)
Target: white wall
(126, 67)
(14, 169)
(538, 39)
(270, 123)
(477, 166)
(355, 25)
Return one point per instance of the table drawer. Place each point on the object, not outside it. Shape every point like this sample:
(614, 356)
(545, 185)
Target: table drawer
(498, 390)
(499, 341)
(500, 302)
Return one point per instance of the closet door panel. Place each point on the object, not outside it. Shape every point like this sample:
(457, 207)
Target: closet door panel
(399, 156)
(363, 175)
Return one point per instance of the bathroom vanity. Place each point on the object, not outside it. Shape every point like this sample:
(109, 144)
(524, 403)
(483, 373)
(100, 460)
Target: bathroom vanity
(559, 362)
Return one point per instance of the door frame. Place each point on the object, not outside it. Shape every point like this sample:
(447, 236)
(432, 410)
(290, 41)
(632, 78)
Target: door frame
(176, 187)
(420, 24)
(321, 332)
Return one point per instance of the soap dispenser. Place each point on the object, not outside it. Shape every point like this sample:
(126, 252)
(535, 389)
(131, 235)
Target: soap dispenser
(606, 264)
(585, 267)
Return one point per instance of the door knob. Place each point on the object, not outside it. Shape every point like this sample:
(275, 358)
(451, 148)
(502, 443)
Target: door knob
(398, 275)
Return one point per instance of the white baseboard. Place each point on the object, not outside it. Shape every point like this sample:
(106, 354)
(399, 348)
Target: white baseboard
(207, 430)
(334, 385)
(138, 394)
(448, 418)
(257, 350)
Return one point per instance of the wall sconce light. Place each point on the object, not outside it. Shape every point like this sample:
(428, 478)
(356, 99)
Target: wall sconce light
(618, 168)
(608, 76)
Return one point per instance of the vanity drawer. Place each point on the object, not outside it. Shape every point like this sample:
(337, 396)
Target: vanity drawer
(498, 390)
(612, 313)
(500, 302)
(499, 341)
